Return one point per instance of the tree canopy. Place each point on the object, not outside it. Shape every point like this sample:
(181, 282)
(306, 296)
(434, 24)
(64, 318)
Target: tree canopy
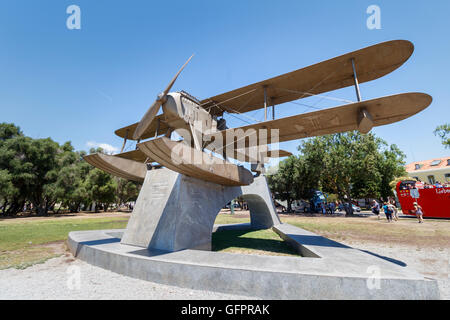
(41, 173)
(350, 165)
(443, 132)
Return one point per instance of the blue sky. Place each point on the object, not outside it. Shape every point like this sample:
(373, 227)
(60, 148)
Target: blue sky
(81, 85)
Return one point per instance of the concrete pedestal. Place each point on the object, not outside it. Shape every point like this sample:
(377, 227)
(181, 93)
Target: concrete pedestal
(175, 212)
(326, 270)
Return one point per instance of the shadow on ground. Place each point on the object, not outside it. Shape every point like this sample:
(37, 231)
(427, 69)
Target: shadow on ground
(222, 240)
(397, 262)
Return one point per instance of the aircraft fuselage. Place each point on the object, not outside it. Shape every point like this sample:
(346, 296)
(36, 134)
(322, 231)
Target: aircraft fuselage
(186, 116)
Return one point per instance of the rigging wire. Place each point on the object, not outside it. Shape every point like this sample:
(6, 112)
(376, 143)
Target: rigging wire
(306, 105)
(242, 114)
(235, 97)
(234, 116)
(317, 95)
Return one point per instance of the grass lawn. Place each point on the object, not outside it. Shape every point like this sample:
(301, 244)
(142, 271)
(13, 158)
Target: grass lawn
(432, 233)
(25, 242)
(228, 219)
(261, 242)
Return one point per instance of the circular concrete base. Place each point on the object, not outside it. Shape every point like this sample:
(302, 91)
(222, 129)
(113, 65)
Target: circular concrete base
(326, 269)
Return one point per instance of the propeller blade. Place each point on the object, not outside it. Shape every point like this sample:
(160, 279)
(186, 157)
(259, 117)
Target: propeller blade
(165, 92)
(147, 119)
(151, 113)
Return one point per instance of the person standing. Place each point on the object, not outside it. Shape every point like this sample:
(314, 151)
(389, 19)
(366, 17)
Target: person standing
(387, 212)
(393, 209)
(376, 208)
(324, 208)
(332, 207)
(418, 211)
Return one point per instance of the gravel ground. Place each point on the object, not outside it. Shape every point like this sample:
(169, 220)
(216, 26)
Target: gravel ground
(52, 280)
(432, 263)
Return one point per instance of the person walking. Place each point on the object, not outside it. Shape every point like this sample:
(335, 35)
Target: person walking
(387, 212)
(376, 208)
(418, 211)
(394, 210)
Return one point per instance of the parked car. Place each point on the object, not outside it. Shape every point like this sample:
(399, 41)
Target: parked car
(300, 206)
(356, 208)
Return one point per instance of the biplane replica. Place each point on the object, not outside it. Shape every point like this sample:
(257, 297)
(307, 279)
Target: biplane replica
(206, 138)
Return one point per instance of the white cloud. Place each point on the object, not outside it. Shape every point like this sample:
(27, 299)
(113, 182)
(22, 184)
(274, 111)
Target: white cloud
(106, 147)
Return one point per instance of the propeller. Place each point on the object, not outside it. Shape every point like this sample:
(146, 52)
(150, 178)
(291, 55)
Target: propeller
(151, 113)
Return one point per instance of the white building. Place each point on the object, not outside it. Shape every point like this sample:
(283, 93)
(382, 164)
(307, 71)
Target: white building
(430, 171)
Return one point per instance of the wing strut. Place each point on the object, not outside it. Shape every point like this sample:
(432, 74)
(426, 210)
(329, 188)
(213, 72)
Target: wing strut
(124, 141)
(365, 120)
(358, 93)
(265, 103)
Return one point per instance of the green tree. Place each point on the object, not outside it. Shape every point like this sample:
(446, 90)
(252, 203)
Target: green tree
(292, 181)
(11, 171)
(126, 191)
(443, 132)
(348, 165)
(353, 165)
(42, 155)
(101, 187)
(8, 131)
(7, 190)
(390, 166)
(282, 182)
(69, 188)
(44, 173)
(37, 171)
(15, 161)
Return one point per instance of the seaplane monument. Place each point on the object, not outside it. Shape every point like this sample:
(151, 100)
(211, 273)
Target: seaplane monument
(187, 181)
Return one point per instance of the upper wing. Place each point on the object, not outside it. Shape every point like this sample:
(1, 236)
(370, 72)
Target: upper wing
(371, 63)
(381, 111)
(150, 132)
